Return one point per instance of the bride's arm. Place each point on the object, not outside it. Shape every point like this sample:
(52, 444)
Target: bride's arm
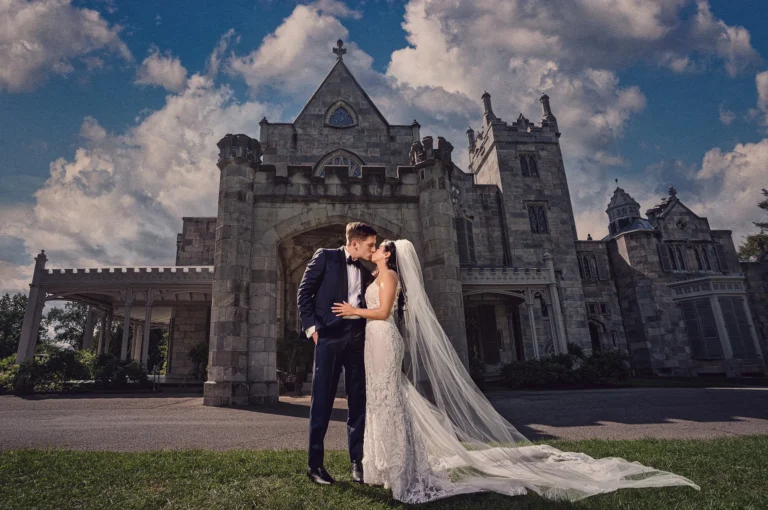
(387, 289)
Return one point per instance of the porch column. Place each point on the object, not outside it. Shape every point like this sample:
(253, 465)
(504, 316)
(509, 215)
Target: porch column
(88, 330)
(554, 295)
(34, 312)
(127, 301)
(102, 333)
(725, 342)
(108, 337)
(531, 319)
(138, 328)
(147, 326)
(752, 330)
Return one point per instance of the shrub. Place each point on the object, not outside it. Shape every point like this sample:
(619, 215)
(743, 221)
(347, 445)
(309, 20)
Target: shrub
(112, 372)
(562, 370)
(198, 355)
(8, 371)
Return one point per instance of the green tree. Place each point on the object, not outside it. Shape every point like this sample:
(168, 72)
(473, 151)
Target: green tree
(754, 244)
(68, 323)
(11, 319)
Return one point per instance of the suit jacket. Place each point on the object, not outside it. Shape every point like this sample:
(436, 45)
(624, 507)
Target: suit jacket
(323, 284)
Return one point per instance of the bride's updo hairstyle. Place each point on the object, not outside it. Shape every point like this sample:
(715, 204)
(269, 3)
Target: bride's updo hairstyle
(389, 247)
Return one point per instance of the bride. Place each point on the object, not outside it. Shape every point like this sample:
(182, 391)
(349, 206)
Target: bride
(435, 435)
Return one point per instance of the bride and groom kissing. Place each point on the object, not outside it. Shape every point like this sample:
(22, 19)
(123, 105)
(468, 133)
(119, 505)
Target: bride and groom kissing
(431, 433)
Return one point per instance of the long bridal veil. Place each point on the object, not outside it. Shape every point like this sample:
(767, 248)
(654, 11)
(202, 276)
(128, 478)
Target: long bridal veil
(469, 440)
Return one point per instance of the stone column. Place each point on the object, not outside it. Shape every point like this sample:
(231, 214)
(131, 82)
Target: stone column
(88, 329)
(561, 340)
(228, 359)
(34, 312)
(138, 329)
(127, 296)
(752, 329)
(144, 352)
(108, 337)
(725, 342)
(440, 258)
(102, 333)
(532, 320)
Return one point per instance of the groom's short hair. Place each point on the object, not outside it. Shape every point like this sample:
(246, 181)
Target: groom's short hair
(359, 231)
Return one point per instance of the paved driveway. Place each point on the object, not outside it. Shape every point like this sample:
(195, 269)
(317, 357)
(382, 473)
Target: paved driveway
(141, 422)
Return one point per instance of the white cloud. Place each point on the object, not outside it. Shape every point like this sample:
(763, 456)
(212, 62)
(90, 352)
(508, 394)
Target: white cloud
(726, 116)
(729, 186)
(40, 37)
(120, 198)
(761, 80)
(163, 70)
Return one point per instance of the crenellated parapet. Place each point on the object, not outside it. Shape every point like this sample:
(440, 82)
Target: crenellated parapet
(129, 275)
(241, 148)
(423, 151)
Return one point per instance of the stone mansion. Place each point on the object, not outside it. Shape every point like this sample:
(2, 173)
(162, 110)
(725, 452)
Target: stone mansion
(504, 269)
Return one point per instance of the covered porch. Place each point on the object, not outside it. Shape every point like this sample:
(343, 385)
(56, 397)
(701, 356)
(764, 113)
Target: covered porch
(512, 314)
(174, 298)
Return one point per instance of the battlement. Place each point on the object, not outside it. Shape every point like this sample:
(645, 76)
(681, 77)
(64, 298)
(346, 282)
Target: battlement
(504, 275)
(129, 274)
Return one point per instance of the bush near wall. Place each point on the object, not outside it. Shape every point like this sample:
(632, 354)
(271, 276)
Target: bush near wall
(568, 370)
(53, 368)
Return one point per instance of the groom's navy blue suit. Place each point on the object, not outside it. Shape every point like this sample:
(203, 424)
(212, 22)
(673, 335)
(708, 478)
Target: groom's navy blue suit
(340, 344)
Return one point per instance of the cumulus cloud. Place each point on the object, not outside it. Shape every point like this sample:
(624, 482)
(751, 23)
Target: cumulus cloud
(42, 37)
(163, 70)
(729, 186)
(120, 198)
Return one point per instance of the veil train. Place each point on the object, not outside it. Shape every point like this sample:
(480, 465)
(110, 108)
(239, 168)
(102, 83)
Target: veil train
(469, 440)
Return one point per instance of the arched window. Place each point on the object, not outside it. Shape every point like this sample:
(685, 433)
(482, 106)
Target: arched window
(543, 226)
(524, 166)
(533, 219)
(341, 158)
(341, 118)
(672, 258)
(681, 259)
(534, 166)
(537, 216)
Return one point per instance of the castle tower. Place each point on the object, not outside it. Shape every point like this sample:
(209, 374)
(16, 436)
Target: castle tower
(524, 160)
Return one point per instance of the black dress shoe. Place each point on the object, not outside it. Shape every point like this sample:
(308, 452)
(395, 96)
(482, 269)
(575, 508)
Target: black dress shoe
(357, 471)
(320, 476)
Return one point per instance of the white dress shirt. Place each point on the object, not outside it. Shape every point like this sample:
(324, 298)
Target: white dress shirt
(354, 290)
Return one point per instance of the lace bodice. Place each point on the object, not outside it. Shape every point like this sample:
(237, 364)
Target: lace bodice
(372, 299)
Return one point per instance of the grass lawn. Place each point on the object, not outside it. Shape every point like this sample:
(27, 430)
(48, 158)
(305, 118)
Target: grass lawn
(733, 474)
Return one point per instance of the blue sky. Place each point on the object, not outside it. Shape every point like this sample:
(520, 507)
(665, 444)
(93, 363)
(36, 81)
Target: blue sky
(111, 109)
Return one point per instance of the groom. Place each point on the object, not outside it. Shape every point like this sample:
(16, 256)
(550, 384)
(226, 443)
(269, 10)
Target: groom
(334, 276)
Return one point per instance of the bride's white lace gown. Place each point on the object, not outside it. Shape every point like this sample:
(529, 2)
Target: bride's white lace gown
(412, 447)
(393, 455)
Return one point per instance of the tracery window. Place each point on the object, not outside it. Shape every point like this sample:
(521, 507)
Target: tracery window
(341, 118)
(538, 219)
(342, 159)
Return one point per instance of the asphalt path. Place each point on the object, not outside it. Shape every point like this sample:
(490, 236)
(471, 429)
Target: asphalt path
(173, 421)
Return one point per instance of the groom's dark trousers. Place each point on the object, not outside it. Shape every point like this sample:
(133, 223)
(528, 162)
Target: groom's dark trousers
(338, 346)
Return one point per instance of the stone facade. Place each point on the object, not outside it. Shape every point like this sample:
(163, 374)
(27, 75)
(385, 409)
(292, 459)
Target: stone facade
(504, 269)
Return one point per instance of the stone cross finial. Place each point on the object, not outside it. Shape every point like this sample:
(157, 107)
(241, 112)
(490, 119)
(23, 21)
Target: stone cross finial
(672, 191)
(339, 50)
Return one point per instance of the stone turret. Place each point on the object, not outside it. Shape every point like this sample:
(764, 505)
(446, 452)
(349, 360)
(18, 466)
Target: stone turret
(548, 118)
(488, 115)
(623, 211)
(471, 139)
(440, 261)
(228, 360)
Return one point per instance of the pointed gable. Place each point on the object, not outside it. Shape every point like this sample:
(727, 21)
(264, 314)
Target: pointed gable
(340, 102)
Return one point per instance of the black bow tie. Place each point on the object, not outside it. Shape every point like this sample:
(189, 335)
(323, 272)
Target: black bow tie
(355, 263)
